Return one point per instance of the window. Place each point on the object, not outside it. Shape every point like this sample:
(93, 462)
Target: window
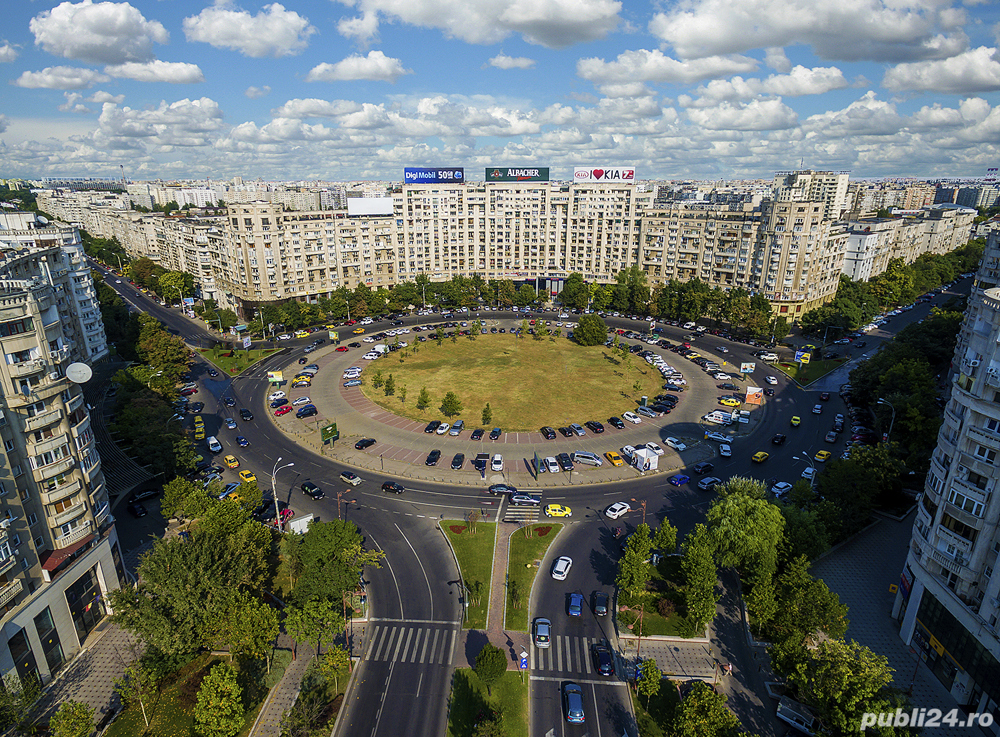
(15, 327)
(977, 480)
(32, 519)
(39, 543)
(966, 504)
(9, 445)
(985, 454)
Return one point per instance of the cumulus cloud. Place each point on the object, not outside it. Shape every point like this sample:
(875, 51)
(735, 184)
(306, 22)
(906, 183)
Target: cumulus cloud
(976, 70)
(182, 123)
(502, 61)
(757, 115)
(642, 65)
(552, 23)
(100, 96)
(4, 123)
(273, 32)
(60, 78)
(173, 72)
(800, 81)
(313, 108)
(74, 103)
(882, 30)
(374, 67)
(775, 58)
(867, 116)
(255, 93)
(8, 53)
(99, 33)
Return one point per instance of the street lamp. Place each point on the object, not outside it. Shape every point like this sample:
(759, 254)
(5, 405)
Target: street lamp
(175, 417)
(340, 495)
(893, 419)
(274, 491)
(149, 381)
(811, 465)
(642, 502)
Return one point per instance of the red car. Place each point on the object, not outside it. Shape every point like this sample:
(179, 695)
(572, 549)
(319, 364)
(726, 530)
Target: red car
(282, 411)
(342, 349)
(285, 515)
(189, 391)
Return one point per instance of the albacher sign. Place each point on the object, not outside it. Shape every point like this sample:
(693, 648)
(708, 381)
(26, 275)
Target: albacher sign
(604, 174)
(512, 174)
(415, 175)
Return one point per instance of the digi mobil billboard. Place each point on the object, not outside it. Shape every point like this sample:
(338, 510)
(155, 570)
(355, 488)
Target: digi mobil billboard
(449, 175)
(517, 174)
(605, 174)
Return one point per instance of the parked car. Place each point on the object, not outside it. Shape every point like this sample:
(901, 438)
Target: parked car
(312, 490)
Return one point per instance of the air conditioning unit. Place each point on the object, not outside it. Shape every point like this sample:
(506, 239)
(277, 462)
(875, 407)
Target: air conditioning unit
(974, 363)
(5, 523)
(54, 376)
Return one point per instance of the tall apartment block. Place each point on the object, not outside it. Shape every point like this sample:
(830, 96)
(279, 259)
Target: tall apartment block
(828, 187)
(948, 603)
(59, 552)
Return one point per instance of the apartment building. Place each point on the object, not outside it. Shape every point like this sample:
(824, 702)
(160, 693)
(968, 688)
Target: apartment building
(828, 187)
(59, 553)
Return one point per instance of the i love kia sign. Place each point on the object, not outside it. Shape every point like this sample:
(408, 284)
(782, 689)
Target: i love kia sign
(608, 174)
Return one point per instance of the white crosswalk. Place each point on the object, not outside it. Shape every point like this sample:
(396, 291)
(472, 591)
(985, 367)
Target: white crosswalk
(566, 654)
(405, 643)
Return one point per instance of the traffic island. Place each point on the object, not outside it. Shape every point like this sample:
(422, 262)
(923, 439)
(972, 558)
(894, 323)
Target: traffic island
(472, 543)
(527, 548)
(471, 705)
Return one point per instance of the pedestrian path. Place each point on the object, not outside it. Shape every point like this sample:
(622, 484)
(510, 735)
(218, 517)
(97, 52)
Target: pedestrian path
(498, 584)
(403, 642)
(520, 515)
(678, 660)
(569, 655)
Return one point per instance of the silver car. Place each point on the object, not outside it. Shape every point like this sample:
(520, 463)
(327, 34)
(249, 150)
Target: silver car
(542, 632)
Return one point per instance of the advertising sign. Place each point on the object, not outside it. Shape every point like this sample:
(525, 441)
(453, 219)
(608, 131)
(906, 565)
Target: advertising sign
(189, 301)
(334, 338)
(451, 175)
(610, 174)
(275, 377)
(755, 395)
(802, 356)
(747, 368)
(329, 432)
(517, 174)
(360, 206)
(247, 342)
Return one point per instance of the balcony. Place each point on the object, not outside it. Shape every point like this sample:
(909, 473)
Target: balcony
(43, 420)
(68, 488)
(10, 590)
(69, 515)
(6, 564)
(26, 368)
(103, 514)
(989, 439)
(75, 536)
(53, 469)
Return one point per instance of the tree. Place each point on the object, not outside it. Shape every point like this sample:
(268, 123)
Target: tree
(492, 727)
(591, 330)
(17, 697)
(330, 556)
(700, 577)
(451, 405)
(218, 711)
(491, 664)
(472, 517)
(648, 684)
(633, 566)
(665, 539)
(575, 294)
(423, 399)
(390, 386)
(72, 719)
(487, 416)
(703, 713)
(183, 498)
(334, 664)
(137, 686)
(250, 628)
(317, 620)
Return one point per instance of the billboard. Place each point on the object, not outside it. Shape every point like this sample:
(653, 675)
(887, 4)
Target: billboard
(329, 432)
(189, 301)
(802, 356)
(517, 174)
(610, 174)
(747, 368)
(275, 377)
(247, 342)
(450, 175)
(369, 206)
(334, 338)
(755, 395)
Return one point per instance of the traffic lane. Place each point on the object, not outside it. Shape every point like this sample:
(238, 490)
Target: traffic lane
(414, 701)
(606, 707)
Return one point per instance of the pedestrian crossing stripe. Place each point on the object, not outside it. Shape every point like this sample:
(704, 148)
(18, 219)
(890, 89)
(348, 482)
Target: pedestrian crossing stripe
(567, 654)
(399, 643)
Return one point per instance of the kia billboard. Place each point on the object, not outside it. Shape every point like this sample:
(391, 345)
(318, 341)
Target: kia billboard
(609, 174)
(517, 174)
(414, 175)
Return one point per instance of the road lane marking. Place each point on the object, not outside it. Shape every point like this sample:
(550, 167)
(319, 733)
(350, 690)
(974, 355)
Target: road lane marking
(413, 621)
(558, 652)
(423, 653)
(451, 650)
(430, 593)
(399, 643)
(406, 648)
(597, 710)
(434, 646)
(378, 652)
(589, 682)
(389, 566)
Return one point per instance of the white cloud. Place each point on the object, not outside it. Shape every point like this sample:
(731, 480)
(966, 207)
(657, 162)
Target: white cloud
(552, 23)
(867, 116)
(800, 81)
(73, 104)
(642, 65)
(8, 53)
(757, 115)
(502, 61)
(374, 67)
(173, 72)
(775, 58)
(183, 123)
(883, 30)
(313, 108)
(101, 96)
(100, 33)
(4, 123)
(273, 32)
(626, 89)
(60, 78)
(977, 70)
(255, 93)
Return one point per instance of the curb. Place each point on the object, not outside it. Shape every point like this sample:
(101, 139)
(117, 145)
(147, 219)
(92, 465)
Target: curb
(343, 704)
(461, 577)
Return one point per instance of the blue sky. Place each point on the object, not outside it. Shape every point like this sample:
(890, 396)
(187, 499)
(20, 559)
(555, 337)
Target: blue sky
(358, 89)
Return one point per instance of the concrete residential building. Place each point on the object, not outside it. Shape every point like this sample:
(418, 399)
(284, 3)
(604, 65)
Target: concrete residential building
(59, 553)
(828, 187)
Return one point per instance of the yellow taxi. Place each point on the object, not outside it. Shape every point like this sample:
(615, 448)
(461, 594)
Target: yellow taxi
(330, 327)
(302, 334)
(614, 458)
(247, 476)
(199, 420)
(558, 510)
(796, 421)
(759, 457)
(199, 432)
(730, 402)
(358, 331)
(231, 461)
(823, 456)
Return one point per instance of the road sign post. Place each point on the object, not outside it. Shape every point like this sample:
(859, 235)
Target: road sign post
(329, 433)
(523, 665)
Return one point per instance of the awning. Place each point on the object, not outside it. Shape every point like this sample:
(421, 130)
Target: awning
(52, 559)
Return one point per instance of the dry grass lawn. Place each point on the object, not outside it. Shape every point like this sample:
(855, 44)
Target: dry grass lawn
(528, 383)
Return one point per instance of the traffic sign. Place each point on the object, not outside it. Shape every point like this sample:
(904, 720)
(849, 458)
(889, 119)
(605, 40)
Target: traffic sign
(524, 664)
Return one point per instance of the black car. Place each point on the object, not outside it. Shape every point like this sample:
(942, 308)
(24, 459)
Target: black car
(778, 439)
(308, 410)
(600, 604)
(703, 467)
(213, 373)
(136, 509)
(364, 443)
(616, 422)
(548, 433)
(564, 462)
(458, 461)
(150, 493)
(595, 427)
(495, 433)
(604, 661)
(477, 434)
(432, 426)
(768, 391)
(303, 359)
(229, 402)
(392, 487)
(353, 345)
(502, 489)
(196, 407)
(838, 426)
(433, 457)
(566, 432)
(663, 409)
(278, 403)
(310, 489)
(246, 415)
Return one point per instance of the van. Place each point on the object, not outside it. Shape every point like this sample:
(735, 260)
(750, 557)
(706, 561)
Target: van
(457, 428)
(586, 458)
(213, 444)
(799, 716)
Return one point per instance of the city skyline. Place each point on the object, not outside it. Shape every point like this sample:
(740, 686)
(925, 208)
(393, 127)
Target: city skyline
(363, 88)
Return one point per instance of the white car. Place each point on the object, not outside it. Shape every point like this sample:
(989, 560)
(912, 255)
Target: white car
(301, 400)
(560, 569)
(617, 509)
(722, 349)
(655, 448)
(673, 443)
(725, 450)
(496, 464)
(781, 488)
(631, 417)
(551, 464)
(350, 478)
(721, 377)
(368, 339)
(717, 437)
(275, 395)
(285, 336)
(770, 380)
(371, 356)
(627, 452)
(809, 473)
(442, 428)
(817, 409)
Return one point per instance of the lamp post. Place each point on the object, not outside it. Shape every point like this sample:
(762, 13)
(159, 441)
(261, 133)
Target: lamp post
(175, 417)
(811, 465)
(119, 263)
(642, 503)
(274, 491)
(340, 495)
(180, 294)
(149, 381)
(892, 421)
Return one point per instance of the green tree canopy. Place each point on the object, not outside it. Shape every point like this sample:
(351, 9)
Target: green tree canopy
(218, 711)
(491, 664)
(72, 719)
(591, 330)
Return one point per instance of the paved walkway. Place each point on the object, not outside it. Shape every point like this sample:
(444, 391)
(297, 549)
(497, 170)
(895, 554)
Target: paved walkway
(282, 697)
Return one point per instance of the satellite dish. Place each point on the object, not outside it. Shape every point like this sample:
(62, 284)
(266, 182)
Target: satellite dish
(79, 373)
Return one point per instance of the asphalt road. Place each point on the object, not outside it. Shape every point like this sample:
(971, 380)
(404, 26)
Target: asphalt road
(415, 596)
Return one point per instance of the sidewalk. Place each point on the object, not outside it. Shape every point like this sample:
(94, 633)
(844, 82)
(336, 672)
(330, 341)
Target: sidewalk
(282, 697)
